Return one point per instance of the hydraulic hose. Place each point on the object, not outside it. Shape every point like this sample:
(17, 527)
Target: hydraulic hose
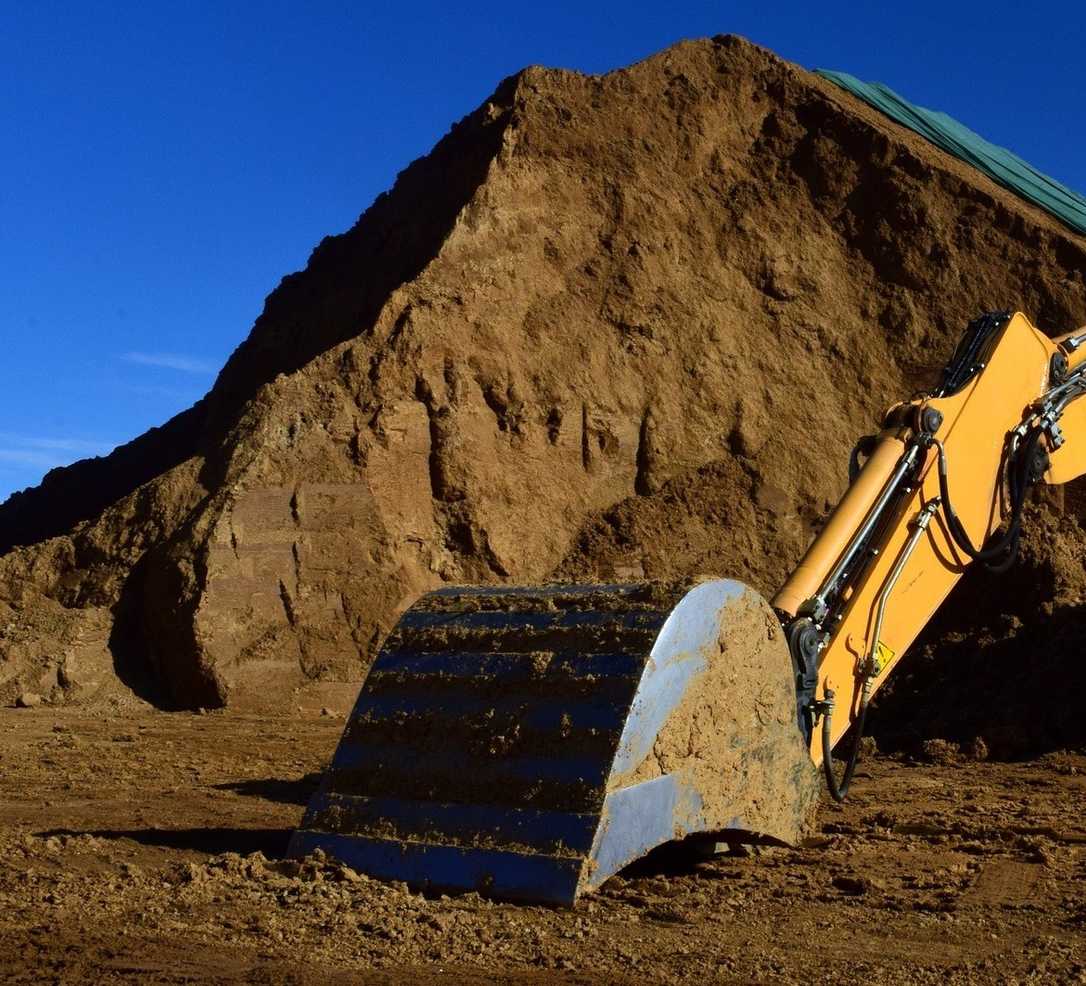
(964, 363)
(1019, 483)
(870, 667)
(839, 788)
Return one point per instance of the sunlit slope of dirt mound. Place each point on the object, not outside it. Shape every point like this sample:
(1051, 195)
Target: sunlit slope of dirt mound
(615, 325)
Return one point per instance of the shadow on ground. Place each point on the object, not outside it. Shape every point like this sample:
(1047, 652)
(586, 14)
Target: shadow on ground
(213, 841)
(288, 792)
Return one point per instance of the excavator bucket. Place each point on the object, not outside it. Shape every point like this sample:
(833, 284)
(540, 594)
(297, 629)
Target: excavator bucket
(527, 743)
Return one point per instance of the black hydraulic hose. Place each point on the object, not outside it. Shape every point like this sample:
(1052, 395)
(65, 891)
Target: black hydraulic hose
(1020, 480)
(1019, 483)
(998, 568)
(839, 788)
(954, 524)
(963, 363)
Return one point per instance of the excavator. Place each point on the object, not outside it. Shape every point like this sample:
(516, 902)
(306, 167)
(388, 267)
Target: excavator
(527, 743)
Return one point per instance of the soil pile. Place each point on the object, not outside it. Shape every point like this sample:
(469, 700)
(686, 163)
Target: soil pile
(611, 326)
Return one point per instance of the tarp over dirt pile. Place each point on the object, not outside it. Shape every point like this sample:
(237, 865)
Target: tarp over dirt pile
(613, 326)
(998, 163)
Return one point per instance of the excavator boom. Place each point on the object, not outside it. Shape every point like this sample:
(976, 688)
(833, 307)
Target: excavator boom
(944, 474)
(529, 742)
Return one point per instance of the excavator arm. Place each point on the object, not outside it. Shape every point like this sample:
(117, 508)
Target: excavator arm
(528, 742)
(943, 486)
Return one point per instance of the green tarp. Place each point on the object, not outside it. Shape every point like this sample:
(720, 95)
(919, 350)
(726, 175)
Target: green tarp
(1001, 165)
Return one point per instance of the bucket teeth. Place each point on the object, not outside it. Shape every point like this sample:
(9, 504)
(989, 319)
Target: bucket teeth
(483, 747)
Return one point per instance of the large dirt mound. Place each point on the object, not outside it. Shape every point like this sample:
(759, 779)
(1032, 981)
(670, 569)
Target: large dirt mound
(616, 325)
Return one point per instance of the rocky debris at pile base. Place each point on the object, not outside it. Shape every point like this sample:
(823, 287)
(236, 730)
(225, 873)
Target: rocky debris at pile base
(611, 326)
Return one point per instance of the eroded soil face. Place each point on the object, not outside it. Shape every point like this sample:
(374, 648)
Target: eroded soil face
(149, 850)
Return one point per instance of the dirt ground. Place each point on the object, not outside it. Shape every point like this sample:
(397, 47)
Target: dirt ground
(149, 849)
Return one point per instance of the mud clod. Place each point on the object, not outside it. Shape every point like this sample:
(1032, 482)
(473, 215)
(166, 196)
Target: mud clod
(164, 864)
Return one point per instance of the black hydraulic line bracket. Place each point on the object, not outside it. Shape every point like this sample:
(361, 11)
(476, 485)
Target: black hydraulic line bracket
(966, 363)
(805, 643)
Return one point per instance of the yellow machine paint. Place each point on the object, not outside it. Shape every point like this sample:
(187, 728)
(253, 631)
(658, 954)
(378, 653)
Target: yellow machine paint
(974, 430)
(841, 526)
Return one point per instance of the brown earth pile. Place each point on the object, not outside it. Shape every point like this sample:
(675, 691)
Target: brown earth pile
(611, 326)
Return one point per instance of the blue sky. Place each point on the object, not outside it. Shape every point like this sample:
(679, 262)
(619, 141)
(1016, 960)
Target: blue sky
(163, 165)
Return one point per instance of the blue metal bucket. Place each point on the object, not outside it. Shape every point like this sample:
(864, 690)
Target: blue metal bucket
(529, 743)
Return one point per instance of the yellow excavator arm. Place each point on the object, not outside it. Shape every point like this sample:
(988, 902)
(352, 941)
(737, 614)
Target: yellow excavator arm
(943, 486)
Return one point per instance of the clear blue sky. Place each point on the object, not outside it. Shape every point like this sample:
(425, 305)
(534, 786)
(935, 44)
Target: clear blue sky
(162, 165)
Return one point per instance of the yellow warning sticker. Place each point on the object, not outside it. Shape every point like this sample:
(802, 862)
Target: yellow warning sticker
(883, 656)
